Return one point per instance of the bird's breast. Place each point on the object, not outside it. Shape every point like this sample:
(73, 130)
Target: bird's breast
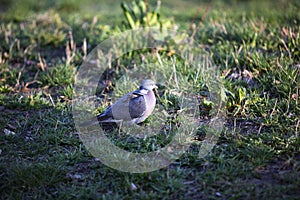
(150, 101)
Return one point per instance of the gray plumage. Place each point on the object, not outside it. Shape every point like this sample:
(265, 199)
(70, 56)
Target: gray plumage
(135, 106)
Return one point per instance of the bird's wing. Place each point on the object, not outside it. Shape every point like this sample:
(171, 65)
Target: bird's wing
(137, 105)
(106, 115)
(130, 106)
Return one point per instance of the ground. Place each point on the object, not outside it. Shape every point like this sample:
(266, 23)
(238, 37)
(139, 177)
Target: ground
(255, 46)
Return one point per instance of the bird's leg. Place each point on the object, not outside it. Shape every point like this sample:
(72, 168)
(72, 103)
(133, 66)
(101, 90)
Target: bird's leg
(120, 122)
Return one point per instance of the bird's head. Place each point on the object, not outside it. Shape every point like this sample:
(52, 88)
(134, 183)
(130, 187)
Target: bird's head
(148, 84)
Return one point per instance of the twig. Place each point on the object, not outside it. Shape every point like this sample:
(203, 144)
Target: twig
(194, 18)
(234, 125)
(174, 70)
(260, 127)
(42, 63)
(49, 95)
(296, 131)
(274, 108)
(203, 17)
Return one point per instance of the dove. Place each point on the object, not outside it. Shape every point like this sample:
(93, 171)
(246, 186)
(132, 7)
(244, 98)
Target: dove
(134, 107)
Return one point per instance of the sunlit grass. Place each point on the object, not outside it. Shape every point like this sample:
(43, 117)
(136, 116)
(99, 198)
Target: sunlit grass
(253, 44)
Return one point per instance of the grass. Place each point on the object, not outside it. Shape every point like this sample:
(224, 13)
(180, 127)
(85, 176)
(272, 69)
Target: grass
(255, 45)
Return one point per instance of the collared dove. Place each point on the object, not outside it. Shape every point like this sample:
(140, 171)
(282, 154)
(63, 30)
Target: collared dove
(133, 107)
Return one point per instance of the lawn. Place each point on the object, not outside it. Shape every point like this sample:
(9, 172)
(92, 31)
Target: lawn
(254, 47)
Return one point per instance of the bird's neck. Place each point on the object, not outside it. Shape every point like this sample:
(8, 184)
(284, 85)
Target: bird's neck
(143, 90)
